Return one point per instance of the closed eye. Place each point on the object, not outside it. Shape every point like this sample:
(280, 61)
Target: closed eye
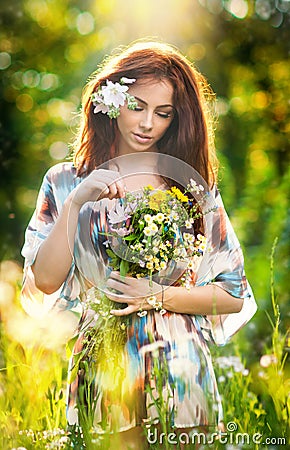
(164, 115)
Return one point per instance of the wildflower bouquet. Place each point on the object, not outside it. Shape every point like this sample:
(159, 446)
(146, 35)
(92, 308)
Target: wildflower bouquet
(151, 229)
(149, 232)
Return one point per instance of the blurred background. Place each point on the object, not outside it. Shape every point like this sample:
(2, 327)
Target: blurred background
(48, 48)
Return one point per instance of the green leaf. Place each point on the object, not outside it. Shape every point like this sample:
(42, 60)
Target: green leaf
(111, 253)
(73, 373)
(131, 237)
(70, 346)
(124, 267)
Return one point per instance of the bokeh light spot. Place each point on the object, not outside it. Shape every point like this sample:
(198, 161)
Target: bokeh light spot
(283, 5)
(238, 8)
(58, 150)
(260, 100)
(259, 160)
(238, 105)
(85, 23)
(264, 9)
(17, 80)
(31, 78)
(71, 17)
(279, 71)
(24, 102)
(5, 60)
(27, 197)
(196, 52)
(49, 81)
(60, 109)
(222, 106)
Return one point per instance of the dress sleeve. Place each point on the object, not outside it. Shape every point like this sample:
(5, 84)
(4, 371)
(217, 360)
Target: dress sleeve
(223, 265)
(34, 301)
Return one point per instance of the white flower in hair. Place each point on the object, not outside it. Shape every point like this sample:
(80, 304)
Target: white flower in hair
(114, 94)
(110, 97)
(124, 80)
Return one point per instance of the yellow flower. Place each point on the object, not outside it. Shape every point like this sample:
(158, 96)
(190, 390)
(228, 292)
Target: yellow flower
(163, 265)
(149, 265)
(179, 195)
(156, 200)
(140, 275)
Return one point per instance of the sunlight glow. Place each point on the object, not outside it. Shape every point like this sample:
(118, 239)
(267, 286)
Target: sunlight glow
(167, 20)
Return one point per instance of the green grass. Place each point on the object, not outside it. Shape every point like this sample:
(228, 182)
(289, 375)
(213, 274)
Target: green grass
(255, 393)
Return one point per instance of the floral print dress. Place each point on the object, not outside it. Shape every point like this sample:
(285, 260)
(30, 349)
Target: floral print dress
(164, 355)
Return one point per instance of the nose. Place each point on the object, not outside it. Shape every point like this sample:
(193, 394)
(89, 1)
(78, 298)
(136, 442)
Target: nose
(146, 121)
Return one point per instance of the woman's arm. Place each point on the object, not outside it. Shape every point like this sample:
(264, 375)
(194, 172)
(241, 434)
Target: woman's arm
(54, 257)
(209, 299)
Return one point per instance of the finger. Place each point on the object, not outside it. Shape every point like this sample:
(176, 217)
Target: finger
(112, 190)
(118, 285)
(121, 188)
(102, 189)
(124, 279)
(115, 297)
(106, 176)
(123, 312)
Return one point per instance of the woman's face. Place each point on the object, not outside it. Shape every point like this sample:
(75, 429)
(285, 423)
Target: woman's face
(141, 128)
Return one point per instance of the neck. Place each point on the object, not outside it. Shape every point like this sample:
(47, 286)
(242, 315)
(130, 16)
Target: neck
(138, 169)
(136, 163)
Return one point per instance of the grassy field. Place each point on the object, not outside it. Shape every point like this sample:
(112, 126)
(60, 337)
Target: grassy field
(255, 393)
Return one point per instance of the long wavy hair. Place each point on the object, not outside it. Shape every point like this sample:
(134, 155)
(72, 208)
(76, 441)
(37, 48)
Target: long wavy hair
(190, 136)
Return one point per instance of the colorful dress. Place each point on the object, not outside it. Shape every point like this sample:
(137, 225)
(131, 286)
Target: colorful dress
(173, 347)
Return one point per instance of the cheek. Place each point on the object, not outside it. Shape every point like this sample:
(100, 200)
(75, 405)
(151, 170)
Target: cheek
(124, 120)
(163, 128)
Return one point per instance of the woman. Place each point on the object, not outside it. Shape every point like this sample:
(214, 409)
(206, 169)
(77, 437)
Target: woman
(145, 120)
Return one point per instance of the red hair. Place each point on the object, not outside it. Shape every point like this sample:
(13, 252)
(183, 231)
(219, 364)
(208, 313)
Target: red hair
(190, 134)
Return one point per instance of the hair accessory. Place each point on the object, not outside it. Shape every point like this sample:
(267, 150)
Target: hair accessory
(110, 97)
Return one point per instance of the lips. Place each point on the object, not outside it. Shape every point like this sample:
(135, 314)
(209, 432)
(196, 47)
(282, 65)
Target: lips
(142, 138)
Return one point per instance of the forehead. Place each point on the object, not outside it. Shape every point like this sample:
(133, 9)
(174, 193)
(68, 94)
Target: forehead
(152, 91)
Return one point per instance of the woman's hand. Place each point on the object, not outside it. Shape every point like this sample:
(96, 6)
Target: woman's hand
(101, 183)
(133, 291)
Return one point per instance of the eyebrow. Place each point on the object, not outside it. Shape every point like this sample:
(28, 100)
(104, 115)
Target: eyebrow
(159, 106)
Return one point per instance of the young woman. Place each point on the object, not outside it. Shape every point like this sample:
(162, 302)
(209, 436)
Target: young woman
(145, 120)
